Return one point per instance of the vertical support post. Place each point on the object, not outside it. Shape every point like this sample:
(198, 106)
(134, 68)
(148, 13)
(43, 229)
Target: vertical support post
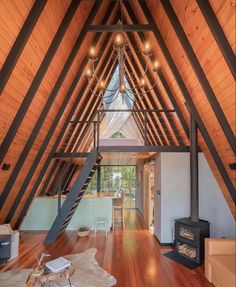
(59, 200)
(98, 127)
(94, 135)
(145, 127)
(194, 204)
(98, 178)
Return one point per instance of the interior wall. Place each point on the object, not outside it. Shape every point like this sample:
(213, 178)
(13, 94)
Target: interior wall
(212, 204)
(172, 197)
(171, 193)
(139, 185)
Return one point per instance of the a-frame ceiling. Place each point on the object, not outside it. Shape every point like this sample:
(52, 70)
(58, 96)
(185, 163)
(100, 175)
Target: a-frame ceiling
(44, 95)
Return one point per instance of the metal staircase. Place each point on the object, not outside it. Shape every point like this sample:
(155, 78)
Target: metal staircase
(73, 198)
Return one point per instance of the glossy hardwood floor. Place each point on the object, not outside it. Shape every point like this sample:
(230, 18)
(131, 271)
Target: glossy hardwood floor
(132, 255)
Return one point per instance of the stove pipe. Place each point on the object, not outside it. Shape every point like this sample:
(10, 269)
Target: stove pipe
(194, 200)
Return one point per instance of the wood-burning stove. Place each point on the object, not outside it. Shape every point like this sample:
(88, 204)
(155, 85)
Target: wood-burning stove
(189, 238)
(191, 232)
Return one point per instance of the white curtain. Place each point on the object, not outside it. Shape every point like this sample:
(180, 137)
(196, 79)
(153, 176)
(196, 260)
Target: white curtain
(120, 121)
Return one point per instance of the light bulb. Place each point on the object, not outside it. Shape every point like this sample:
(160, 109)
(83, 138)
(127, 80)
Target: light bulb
(122, 88)
(156, 66)
(89, 73)
(147, 49)
(119, 41)
(92, 53)
(102, 85)
(142, 83)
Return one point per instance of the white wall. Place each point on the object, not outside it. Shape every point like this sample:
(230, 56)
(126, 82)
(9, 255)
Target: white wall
(213, 206)
(172, 178)
(174, 193)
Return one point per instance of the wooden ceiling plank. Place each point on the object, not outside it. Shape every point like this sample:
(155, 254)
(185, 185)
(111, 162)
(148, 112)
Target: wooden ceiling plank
(150, 78)
(173, 102)
(38, 79)
(136, 68)
(143, 103)
(78, 117)
(53, 127)
(218, 34)
(214, 153)
(103, 72)
(49, 177)
(68, 17)
(20, 42)
(29, 143)
(199, 73)
(189, 101)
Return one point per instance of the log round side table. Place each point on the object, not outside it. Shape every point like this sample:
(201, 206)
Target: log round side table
(47, 277)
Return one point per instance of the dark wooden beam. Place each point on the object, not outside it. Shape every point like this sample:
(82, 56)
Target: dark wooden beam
(200, 73)
(84, 105)
(153, 138)
(67, 155)
(189, 100)
(53, 127)
(68, 181)
(56, 178)
(173, 102)
(20, 42)
(153, 103)
(194, 190)
(68, 17)
(156, 90)
(218, 34)
(137, 110)
(213, 152)
(119, 28)
(38, 79)
(139, 105)
(75, 136)
(144, 149)
(49, 177)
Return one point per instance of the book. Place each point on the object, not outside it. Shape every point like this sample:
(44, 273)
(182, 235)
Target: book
(58, 264)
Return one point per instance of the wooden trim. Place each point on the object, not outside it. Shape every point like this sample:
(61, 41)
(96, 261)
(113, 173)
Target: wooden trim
(218, 34)
(20, 42)
(200, 73)
(119, 28)
(37, 81)
(144, 149)
(67, 155)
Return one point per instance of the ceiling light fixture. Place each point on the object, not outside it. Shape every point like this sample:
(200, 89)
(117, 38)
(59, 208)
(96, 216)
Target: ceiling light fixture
(118, 83)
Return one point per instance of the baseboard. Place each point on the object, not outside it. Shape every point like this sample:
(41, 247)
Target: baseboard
(163, 244)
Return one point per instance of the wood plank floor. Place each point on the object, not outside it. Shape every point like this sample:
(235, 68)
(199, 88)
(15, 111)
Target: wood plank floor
(132, 255)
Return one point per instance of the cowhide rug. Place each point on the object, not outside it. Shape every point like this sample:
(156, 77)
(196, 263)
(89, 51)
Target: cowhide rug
(87, 273)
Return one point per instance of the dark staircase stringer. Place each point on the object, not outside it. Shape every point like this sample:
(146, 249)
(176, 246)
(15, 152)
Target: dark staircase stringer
(74, 196)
